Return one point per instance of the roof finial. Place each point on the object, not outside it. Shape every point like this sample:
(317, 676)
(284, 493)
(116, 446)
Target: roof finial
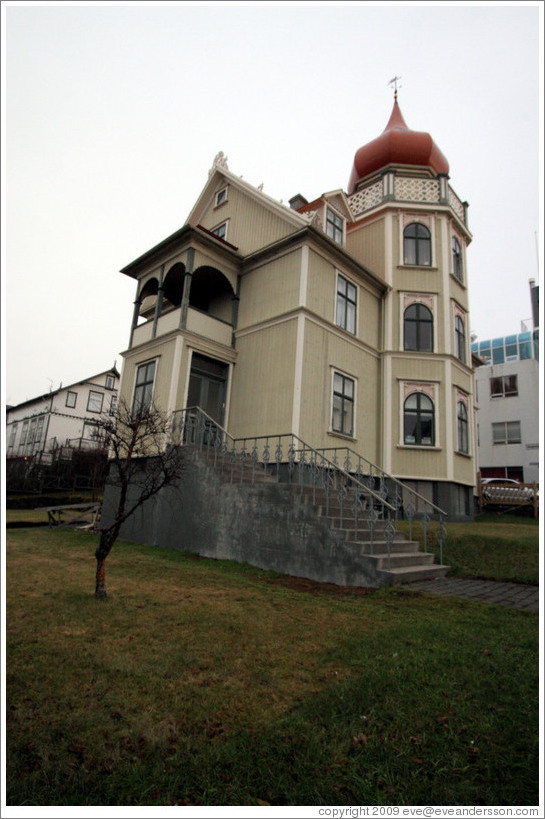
(394, 82)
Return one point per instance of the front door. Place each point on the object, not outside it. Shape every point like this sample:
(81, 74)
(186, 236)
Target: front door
(208, 386)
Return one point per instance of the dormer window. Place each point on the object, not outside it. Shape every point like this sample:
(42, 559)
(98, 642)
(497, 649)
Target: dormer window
(221, 197)
(334, 226)
(220, 231)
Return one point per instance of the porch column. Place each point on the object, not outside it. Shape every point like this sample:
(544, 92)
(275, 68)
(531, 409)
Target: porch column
(187, 286)
(158, 302)
(135, 314)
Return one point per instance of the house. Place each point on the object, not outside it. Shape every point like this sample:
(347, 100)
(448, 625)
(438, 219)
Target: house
(507, 389)
(342, 319)
(65, 417)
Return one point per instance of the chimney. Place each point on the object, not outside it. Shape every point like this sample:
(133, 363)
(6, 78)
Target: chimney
(297, 201)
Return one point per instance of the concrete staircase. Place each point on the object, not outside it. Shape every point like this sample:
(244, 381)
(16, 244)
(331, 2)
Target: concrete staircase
(404, 563)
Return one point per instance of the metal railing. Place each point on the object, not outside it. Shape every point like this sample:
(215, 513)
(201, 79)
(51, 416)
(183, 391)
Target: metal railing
(416, 507)
(360, 499)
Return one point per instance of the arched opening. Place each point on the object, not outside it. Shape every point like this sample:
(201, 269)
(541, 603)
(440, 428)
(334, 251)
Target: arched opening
(212, 293)
(147, 299)
(173, 287)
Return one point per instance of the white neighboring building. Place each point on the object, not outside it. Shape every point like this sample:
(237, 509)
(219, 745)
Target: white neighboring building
(64, 417)
(507, 389)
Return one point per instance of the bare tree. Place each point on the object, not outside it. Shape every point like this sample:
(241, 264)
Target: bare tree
(143, 463)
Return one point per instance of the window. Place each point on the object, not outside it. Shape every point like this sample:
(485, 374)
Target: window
(24, 434)
(94, 402)
(463, 437)
(419, 420)
(71, 398)
(343, 404)
(110, 382)
(143, 391)
(13, 435)
(113, 405)
(506, 432)
(460, 333)
(221, 197)
(503, 386)
(347, 299)
(418, 328)
(457, 259)
(416, 244)
(39, 431)
(220, 231)
(334, 226)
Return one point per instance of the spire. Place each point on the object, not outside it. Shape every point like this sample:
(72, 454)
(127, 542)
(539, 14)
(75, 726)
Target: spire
(394, 82)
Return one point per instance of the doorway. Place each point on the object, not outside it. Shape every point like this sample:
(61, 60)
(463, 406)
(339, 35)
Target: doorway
(208, 386)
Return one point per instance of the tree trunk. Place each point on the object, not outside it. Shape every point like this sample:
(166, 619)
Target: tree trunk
(100, 586)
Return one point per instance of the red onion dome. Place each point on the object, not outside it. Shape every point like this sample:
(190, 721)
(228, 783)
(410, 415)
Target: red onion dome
(397, 145)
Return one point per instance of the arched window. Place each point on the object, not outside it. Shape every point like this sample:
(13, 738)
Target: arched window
(416, 244)
(418, 328)
(463, 438)
(460, 331)
(457, 267)
(419, 420)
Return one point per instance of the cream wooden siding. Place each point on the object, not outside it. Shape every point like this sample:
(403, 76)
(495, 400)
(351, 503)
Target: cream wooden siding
(322, 298)
(325, 351)
(251, 225)
(270, 290)
(263, 382)
(367, 244)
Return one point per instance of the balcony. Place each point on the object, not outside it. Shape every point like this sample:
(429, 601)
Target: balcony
(198, 322)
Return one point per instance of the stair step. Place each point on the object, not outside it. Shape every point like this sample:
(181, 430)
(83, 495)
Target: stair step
(401, 560)
(407, 574)
(380, 547)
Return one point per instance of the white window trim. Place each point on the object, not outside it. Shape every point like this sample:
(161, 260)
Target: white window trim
(429, 300)
(68, 394)
(223, 222)
(341, 217)
(225, 190)
(340, 274)
(428, 220)
(95, 392)
(431, 389)
(336, 371)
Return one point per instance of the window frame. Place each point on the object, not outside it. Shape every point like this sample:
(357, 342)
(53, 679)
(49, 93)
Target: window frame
(346, 401)
(95, 393)
(13, 434)
(457, 259)
(334, 225)
(215, 230)
(504, 393)
(506, 439)
(420, 414)
(419, 322)
(420, 242)
(342, 303)
(110, 382)
(462, 418)
(460, 338)
(69, 395)
(142, 387)
(217, 201)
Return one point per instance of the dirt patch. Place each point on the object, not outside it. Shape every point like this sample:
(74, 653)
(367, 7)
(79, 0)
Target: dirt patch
(302, 584)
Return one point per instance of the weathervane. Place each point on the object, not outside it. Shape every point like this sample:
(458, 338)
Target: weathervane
(394, 82)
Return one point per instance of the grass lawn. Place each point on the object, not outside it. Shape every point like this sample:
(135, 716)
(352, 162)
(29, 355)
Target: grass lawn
(493, 547)
(201, 682)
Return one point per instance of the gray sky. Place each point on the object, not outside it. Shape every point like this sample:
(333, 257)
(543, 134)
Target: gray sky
(113, 115)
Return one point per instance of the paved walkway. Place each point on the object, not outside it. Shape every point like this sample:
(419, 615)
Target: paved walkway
(517, 595)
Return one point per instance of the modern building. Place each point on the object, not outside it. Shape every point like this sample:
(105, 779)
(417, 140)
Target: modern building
(343, 319)
(507, 388)
(65, 417)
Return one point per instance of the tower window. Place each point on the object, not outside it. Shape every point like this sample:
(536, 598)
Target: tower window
(463, 437)
(419, 420)
(457, 267)
(417, 245)
(460, 330)
(143, 391)
(418, 328)
(334, 226)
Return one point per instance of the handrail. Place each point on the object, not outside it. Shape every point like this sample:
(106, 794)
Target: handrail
(290, 435)
(386, 475)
